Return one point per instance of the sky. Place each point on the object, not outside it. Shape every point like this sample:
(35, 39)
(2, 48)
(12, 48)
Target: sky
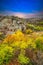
(21, 7)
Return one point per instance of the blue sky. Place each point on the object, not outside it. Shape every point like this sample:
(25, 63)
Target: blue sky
(26, 6)
(19, 7)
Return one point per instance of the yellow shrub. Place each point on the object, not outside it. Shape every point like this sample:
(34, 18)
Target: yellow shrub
(1, 33)
(18, 36)
(23, 45)
(18, 39)
(28, 31)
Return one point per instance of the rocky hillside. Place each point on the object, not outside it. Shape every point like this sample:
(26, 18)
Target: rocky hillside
(9, 24)
(22, 43)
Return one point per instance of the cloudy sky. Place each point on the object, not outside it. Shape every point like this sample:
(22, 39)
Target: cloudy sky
(21, 8)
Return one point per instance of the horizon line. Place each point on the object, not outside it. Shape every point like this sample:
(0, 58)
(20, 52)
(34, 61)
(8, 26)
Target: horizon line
(22, 14)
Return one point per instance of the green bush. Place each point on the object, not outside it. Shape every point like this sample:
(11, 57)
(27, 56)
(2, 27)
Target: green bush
(6, 53)
(39, 43)
(23, 59)
(35, 27)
